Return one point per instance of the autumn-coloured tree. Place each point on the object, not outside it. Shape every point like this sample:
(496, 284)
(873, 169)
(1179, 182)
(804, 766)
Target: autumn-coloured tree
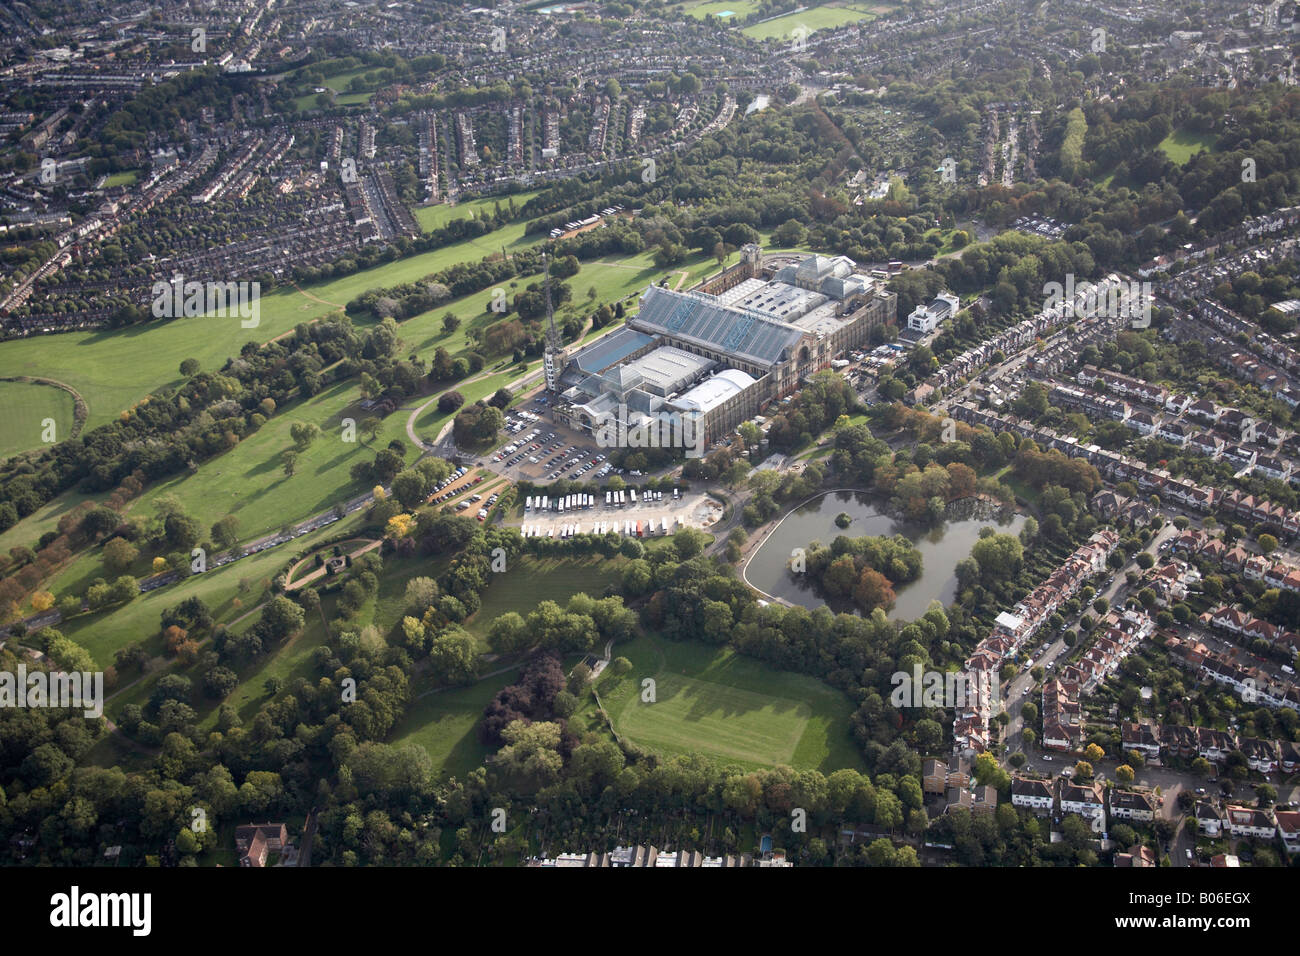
(873, 590)
(399, 526)
(962, 483)
(173, 637)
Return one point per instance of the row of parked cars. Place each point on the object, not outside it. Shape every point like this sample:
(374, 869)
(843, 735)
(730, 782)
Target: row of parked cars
(475, 499)
(516, 451)
(577, 462)
(444, 490)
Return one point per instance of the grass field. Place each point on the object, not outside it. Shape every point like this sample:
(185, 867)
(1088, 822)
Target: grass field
(1182, 144)
(26, 407)
(431, 422)
(813, 19)
(339, 84)
(105, 632)
(219, 589)
(91, 361)
(288, 662)
(435, 217)
(249, 482)
(446, 725)
(308, 102)
(741, 8)
(293, 658)
(127, 178)
(531, 580)
(45, 518)
(712, 701)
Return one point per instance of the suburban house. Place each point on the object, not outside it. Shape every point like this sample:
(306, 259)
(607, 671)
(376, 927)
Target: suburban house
(1261, 755)
(1250, 822)
(1032, 792)
(1137, 855)
(1085, 801)
(1062, 716)
(256, 841)
(1289, 755)
(1132, 805)
(1288, 828)
(1142, 738)
(1209, 818)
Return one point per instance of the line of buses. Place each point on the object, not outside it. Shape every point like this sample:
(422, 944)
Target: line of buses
(632, 529)
(581, 501)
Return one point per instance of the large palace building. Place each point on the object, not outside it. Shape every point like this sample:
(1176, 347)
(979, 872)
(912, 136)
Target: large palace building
(722, 351)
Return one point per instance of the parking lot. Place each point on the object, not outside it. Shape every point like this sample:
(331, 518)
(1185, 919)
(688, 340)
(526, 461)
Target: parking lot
(666, 514)
(540, 451)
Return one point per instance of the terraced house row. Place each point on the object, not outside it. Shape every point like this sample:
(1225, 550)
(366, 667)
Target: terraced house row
(1012, 629)
(1063, 795)
(1188, 743)
(1117, 467)
(1118, 635)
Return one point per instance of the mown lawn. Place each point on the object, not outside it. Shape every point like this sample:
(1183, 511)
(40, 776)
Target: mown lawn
(530, 580)
(92, 361)
(1182, 144)
(446, 725)
(713, 701)
(249, 480)
(814, 19)
(26, 406)
(437, 216)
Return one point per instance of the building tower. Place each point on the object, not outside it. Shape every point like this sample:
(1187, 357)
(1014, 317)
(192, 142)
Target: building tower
(555, 354)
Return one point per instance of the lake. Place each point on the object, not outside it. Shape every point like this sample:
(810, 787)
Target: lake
(941, 547)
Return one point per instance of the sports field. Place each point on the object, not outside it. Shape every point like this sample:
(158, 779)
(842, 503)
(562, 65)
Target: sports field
(738, 710)
(721, 9)
(813, 19)
(26, 407)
